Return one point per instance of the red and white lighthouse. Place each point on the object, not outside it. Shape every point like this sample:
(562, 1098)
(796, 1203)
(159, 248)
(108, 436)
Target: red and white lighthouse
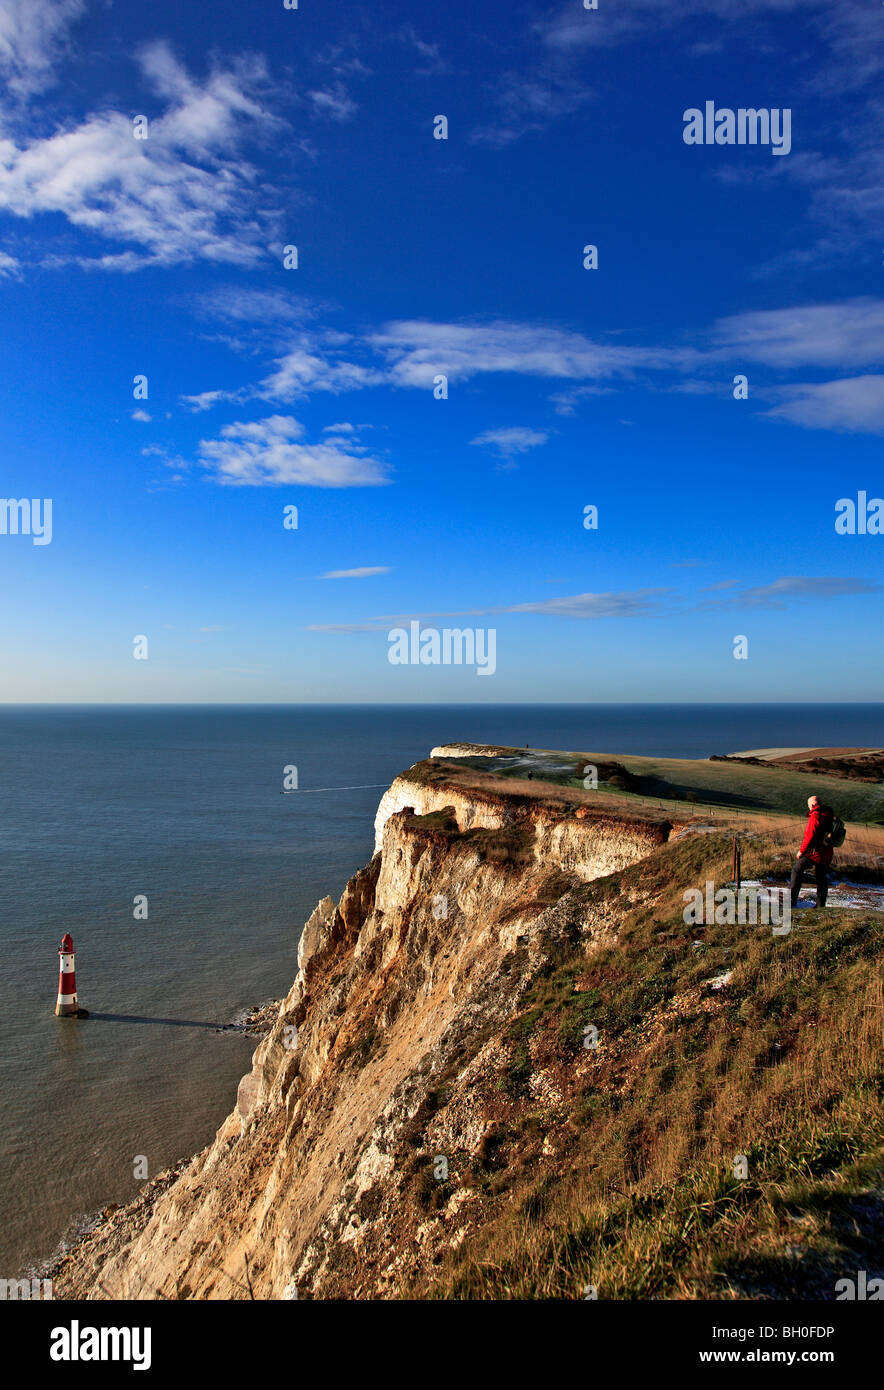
(66, 1005)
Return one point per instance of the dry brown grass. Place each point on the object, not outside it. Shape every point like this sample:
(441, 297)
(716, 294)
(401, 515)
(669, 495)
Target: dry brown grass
(634, 1190)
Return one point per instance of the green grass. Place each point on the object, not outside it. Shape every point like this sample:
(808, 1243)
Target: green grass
(734, 786)
(637, 1192)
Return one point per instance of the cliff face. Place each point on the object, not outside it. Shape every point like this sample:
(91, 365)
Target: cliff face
(566, 828)
(402, 993)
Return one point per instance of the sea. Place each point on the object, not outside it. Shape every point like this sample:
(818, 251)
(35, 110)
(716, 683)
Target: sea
(162, 839)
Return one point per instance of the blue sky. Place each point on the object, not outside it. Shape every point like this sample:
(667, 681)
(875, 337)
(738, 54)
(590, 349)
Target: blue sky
(313, 387)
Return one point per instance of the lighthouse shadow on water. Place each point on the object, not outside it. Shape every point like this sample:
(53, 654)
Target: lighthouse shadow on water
(67, 1005)
(165, 1022)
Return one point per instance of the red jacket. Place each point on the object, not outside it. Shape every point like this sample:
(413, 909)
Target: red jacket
(819, 822)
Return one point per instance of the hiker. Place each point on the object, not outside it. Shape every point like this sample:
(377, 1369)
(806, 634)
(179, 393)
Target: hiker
(816, 850)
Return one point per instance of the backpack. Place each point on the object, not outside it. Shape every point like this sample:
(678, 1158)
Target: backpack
(837, 835)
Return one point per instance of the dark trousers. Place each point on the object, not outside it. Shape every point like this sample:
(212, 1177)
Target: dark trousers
(822, 881)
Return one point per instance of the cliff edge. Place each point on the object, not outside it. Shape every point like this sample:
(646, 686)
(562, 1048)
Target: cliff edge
(494, 1020)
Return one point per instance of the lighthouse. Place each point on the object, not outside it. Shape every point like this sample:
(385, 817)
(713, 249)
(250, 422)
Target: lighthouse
(66, 1005)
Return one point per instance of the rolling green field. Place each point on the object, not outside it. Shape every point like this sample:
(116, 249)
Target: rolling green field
(735, 786)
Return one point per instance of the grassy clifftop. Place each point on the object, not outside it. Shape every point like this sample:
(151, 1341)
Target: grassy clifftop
(617, 1166)
(735, 786)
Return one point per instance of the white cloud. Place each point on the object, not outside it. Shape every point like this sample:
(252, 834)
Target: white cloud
(204, 400)
(572, 29)
(8, 264)
(206, 117)
(851, 28)
(239, 304)
(796, 586)
(639, 603)
(854, 405)
(417, 350)
(853, 31)
(310, 367)
(565, 402)
(430, 53)
(32, 35)
(180, 195)
(838, 47)
(364, 573)
(845, 334)
(509, 442)
(346, 627)
(411, 353)
(527, 103)
(313, 364)
(343, 59)
(141, 415)
(630, 604)
(272, 451)
(626, 604)
(334, 102)
(845, 189)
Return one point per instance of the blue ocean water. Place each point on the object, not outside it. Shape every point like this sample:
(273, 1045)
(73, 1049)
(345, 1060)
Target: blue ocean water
(184, 804)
